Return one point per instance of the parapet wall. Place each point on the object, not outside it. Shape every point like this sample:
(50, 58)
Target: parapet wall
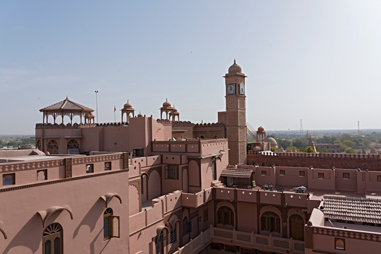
(319, 160)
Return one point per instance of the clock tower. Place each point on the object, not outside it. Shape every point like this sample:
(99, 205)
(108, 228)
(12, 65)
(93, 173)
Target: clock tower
(234, 117)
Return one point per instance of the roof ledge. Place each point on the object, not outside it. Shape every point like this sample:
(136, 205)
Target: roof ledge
(109, 196)
(51, 210)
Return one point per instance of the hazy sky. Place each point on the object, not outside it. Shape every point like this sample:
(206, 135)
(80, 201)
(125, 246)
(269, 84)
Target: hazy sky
(313, 60)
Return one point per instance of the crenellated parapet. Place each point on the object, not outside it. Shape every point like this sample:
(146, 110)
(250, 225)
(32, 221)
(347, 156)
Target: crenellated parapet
(164, 122)
(322, 160)
(77, 126)
(316, 155)
(183, 123)
(209, 125)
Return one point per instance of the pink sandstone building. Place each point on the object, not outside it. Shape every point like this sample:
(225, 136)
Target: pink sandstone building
(164, 186)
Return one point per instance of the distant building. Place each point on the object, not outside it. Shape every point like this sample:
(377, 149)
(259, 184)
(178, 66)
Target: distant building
(332, 148)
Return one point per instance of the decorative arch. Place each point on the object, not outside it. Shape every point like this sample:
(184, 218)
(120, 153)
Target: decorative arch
(52, 238)
(134, 207)
(154, 185)
(272, 215)
(159, 240)
(109, 196)
(52, 146)
(51, 210)
(72, 144)
(2, 230)
(223, 215)
(295, 224)
(194, 173)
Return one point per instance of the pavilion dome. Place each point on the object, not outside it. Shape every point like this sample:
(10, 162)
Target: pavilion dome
(261, 129)
(127, 105)
(140, 115)
(166, 104)
(235, 68)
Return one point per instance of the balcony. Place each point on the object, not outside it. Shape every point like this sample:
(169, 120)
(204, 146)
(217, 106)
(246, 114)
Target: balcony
(241, 239)
(194, 200)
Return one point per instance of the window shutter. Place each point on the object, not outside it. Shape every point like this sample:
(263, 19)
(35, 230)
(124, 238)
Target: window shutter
(115, 230)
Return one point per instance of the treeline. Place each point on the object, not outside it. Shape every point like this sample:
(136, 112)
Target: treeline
(22, 142)
(349, 143)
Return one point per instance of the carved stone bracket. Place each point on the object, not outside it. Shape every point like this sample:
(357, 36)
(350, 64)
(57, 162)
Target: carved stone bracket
(51, 210)
(68, 168)
(109, 196)
(126, 156)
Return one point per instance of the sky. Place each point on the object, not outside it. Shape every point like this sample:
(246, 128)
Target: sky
(318, 61)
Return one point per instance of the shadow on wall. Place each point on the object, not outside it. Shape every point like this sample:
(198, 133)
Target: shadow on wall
(92, 244)
(91, 217)
(25, 239)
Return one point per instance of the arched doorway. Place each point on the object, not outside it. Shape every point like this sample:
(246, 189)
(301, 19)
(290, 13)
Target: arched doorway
(297, 227)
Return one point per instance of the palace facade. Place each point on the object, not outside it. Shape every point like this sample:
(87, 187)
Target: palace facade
(147, 185)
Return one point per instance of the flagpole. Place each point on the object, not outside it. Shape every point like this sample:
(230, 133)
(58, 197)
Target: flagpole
(114, 114)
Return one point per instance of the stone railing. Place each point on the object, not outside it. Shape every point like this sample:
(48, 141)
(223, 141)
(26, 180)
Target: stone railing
(197, 244)
(257, 241)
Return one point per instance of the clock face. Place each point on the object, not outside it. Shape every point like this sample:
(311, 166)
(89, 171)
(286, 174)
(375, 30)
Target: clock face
(241, 89)
(230, 89)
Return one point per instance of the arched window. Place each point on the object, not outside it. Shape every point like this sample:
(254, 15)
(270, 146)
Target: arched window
(38, 144)
(52, 239)
(72, 144)
(225, 216)
(72, 147)
(185, 226)
(173, 234)
(339, 244)
(110, 228)
(158, 244)
(270, 222)
(53, 146)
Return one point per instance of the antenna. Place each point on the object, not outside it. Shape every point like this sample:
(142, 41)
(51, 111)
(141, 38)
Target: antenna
(301, 126)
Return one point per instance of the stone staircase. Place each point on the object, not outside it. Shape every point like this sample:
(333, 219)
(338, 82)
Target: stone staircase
(217, 184)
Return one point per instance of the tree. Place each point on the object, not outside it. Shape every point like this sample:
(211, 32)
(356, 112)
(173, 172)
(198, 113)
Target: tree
(349, 143)
(309, 149)
(350, 150)
(273, 149)
(323, 150)
(291, 149)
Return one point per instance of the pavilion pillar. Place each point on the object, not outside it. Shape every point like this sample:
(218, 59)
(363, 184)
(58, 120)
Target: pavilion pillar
(62, 117)
(71, 118)
(43, 117)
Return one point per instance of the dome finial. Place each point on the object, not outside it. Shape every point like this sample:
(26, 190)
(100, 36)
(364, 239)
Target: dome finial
(67, 97)
(234, 61)
(128, 100)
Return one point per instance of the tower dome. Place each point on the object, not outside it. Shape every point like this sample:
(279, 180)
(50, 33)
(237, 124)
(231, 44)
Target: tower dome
(127, 105)
(272, 142)
(166, 104)
(235, 68)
